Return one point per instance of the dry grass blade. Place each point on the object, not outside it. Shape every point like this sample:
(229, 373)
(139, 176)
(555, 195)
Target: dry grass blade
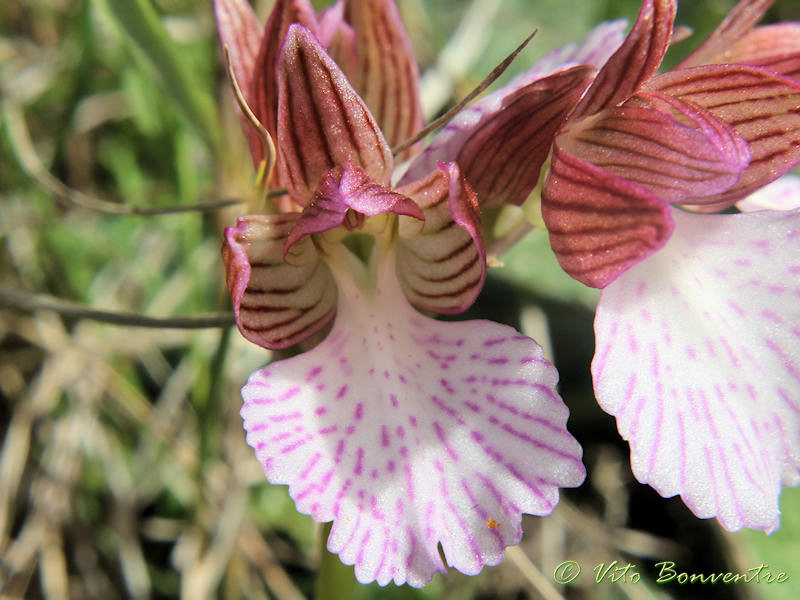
(489, 80)
(532, 573)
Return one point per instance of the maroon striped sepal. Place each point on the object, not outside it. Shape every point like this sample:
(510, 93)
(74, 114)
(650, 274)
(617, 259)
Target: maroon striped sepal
(277, 302)
(600, 224)
(322, 122)
(264, 88)
(635, 61)
(762, 106)
(380, 64)
(240, 31)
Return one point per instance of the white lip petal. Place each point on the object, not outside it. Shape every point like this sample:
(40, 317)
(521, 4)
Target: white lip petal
(698, 358)
(409, 432)
(781, 194)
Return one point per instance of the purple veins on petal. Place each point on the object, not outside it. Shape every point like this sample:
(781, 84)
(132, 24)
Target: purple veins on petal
(727, 379)
(375, 481)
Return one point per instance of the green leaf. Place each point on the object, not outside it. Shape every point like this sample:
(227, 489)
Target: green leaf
(532, 265)
(143, 28)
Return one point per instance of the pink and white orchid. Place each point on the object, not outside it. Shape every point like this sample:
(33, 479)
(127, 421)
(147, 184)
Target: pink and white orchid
(698, 343)
(406, 432)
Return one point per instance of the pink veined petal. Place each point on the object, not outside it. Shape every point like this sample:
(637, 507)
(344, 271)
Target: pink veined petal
(264, 86)
(738, 23)
(446, 144)
(322, 122)
(350, 189)
(781, 194)
(501, 151)
(442, 268)
(759, 104)
(338, 37)
(408, 432)
(698, 358)
(635, 61)
(278, 300)
(502, 157)
(386, 75)
(240, 31)
(675, 149)
(776, 47)
(599, 224)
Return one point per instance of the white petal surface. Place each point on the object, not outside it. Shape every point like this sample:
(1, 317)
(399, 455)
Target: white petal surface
(698, 358)
(409, 432)
(781, 194)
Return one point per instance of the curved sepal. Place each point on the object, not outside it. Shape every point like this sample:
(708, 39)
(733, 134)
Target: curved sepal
(277, 302)
(338, 38)
(775, 47)
(480, 119)
(504, 153)
(599, 224)
(346, 190)
(322, 122)
(408, 433)
(264, 87)
(698, 357)
(442, 267)
(385, 74)
(240, 31)
(635, 61)
(673, 148)
(763, 107)
(739, 21)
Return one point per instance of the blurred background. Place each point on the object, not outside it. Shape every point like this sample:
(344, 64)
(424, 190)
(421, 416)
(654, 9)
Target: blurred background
(123, 467)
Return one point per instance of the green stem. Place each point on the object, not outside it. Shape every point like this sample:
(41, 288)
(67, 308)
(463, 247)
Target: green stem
(334, 580)
(209, 412)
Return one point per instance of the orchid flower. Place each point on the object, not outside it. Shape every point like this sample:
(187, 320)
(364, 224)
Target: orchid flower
(698, 344)
(487, 140)
(366, 38)
(408, 433)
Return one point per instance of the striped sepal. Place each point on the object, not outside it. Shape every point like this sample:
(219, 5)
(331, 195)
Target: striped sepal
(504, 154)
(277, 302)
(775, 47)
(442, 268)
(673, 148)
(739, 21)
(763, 107)
(345, 198)
(322, 122)
(599, 224)
(635, 61)
(240, 31)
(265, 78)
(386, 73)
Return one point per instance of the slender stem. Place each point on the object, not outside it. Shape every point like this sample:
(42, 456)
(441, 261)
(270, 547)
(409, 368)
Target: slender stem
(334, 580)
(28, 301)
(490, 79)
(209, 416)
